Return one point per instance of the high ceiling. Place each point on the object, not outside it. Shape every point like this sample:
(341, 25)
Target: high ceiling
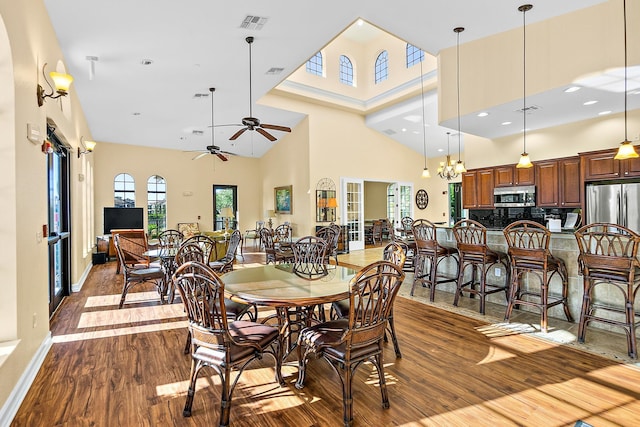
(194, 45)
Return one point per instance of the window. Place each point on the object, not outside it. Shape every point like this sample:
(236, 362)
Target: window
(156, 205)
(346, 71)
(124, 194)
(414, 55)
(382, 67)
(314, 65)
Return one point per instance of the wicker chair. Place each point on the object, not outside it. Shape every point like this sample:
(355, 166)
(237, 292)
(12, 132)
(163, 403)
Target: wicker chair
(331, 235)
(609, 256)
(273, 253)
(126, 248)
(215, 342)
(348, 342)
(529, 254)
(170, 238)
(254, 234)
(225, 263)
(373, 235)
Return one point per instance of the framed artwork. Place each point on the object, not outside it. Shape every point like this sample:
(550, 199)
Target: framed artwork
(283, 199)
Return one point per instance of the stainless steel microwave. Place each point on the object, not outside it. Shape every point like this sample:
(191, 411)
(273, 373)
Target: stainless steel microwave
(511, 197)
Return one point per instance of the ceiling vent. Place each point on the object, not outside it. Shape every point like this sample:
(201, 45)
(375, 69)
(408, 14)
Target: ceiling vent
(197, 132)
(253, 22)
(530, 109)
(275, 70)
(389, 131)
(200, 95)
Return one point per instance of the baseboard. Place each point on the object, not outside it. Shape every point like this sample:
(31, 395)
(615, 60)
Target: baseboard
(11, 406)
(75, 287)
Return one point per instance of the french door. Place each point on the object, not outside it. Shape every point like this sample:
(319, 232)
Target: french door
(353, 211)
(58, 224)
(225, 196)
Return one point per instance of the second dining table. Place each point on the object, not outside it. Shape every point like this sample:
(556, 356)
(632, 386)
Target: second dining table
(283, 287)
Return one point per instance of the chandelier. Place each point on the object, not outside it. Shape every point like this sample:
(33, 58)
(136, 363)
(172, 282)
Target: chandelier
(447, 170)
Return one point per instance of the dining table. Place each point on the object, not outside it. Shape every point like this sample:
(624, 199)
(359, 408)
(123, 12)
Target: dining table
(166, 255)
(286, 289)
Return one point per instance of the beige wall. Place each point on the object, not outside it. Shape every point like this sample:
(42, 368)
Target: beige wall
(24, 309)
(375, 200)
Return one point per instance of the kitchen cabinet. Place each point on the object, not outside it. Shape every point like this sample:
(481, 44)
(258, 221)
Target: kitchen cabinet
(601, 165)
(558, 183)
(477, 189)
(510, 175)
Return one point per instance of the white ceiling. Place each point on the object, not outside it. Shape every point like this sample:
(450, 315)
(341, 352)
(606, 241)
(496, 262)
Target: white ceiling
(198, 44)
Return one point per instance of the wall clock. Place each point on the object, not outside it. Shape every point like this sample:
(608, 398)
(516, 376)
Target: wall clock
(422, 199)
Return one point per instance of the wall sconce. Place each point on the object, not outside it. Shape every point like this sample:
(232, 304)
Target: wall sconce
(87, 145)
(60, 80)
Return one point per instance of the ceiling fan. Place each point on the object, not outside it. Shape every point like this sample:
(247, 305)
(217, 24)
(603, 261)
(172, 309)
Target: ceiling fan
(253, 123)
(213, 148)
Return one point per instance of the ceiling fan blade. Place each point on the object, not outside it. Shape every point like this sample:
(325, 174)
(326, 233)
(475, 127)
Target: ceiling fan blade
(266, 134)
(276, 127)
(222, 157)
(200, 155)
(237, 134)
(228, 153)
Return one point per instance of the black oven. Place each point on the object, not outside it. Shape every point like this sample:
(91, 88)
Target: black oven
(509, 197)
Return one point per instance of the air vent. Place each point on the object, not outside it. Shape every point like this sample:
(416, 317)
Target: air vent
(530, 109)
(200, 95)
(253, 22)
(389, 131)
(197, 132)
(275, 70)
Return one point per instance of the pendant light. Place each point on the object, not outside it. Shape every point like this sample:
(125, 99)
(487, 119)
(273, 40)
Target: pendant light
(425, 171)
(524, 162)
(460, 164)
(626, 149)
(447, 170)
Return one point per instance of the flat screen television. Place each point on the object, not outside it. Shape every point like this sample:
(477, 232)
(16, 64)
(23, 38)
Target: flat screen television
(123, 218)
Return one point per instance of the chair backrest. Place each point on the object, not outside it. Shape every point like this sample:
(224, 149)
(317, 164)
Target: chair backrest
(395, 253)
(267, 239)
(206, 243)
(232, 247)
(527, 241)
(607, 248)
(331, 235)
(282, 233)
(309, 255)
(471, 237)
(372, 293)
(424, 232)
(377, 229)
(170, 238)
(407, 224)
(129, 251)
(189, 251)
(202, 293)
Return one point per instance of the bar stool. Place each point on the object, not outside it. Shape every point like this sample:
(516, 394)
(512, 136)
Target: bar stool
(528, 244)
(428, 256)
(608, 255)
(473, 252)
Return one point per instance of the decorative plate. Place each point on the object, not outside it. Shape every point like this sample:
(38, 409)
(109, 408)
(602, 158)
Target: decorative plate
(422, 199)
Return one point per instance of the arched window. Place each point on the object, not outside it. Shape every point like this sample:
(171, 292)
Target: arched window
(382, 67)
(124, 191)
(346, 71)
(156, 205)
(414, 55)
(314, 64)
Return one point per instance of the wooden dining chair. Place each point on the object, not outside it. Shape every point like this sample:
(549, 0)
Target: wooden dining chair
(216, 343)
(347, 343)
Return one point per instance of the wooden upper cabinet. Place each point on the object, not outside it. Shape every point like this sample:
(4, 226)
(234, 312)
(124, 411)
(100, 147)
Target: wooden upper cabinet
(570, 182)
(477, 189)
(601, 165)
(547, 191)
(510, 175)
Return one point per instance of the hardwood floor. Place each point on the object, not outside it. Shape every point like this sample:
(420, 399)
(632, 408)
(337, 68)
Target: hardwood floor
(110, 367)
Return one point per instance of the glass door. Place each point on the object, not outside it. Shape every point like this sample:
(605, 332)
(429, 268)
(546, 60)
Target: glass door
(353, 210)
(225, 197)
(399, 202)
(58, 224)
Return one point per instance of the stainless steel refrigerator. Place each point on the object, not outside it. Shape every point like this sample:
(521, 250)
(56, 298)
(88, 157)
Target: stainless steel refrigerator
(614, 203)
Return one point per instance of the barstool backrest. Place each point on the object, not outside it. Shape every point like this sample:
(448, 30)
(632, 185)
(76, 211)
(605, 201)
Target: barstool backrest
(528, 241)
(607, 248)
(424, 233)
(471, 236)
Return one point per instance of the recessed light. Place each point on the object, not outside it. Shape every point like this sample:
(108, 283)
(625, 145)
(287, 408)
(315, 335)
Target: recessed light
(440, 150)
(604, 113)
(590, 102)
(483, 114)
(572, 89)
(404, 129)
(505, 123)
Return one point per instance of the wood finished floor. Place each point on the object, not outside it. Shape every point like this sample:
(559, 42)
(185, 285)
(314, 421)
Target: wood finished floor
(110, 367)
